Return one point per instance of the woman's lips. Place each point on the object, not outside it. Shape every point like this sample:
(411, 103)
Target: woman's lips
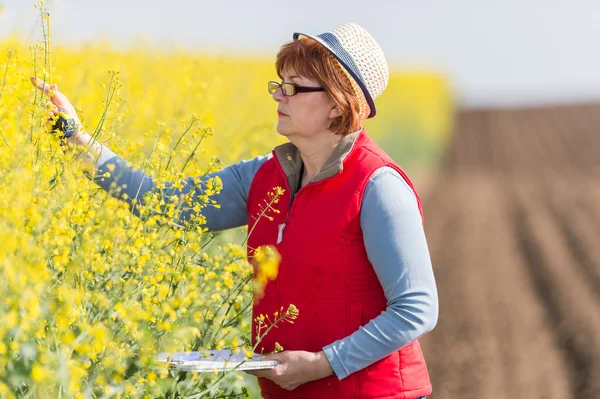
(281, 113)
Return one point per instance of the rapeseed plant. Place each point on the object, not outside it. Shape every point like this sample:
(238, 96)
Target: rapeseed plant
(90, 292)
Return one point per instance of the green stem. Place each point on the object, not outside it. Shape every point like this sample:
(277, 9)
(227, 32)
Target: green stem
(194, 151)
(9, 54)
(179, 141)
(265, 209)
(109, 96)
(284, 316)
(6, 141)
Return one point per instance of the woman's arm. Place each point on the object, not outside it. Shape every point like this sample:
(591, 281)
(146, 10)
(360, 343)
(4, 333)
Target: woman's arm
(125, 182)
(397, 248)
(114, 175)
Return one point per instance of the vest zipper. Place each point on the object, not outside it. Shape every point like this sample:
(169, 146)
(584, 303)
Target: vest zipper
(282, 226)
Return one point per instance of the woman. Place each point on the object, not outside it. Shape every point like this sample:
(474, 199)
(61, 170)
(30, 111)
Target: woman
(354, 255)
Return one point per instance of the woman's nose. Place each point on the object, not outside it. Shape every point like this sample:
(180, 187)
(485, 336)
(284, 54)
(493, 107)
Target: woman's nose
(278, 96)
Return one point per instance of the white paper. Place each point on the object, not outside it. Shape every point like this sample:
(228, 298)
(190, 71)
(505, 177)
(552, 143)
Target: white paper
(222, 360)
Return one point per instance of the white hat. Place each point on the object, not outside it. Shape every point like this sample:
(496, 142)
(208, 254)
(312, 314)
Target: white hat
(361, 59)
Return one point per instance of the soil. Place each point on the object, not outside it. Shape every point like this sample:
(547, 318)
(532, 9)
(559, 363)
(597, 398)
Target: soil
(513, 226)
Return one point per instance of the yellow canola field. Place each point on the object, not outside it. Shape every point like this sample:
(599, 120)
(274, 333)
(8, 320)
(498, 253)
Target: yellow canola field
(90, 292)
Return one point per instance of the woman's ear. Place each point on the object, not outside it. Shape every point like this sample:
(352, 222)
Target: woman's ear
(335, 113)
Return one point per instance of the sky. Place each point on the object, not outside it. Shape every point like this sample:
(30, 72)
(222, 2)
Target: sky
(494, 52)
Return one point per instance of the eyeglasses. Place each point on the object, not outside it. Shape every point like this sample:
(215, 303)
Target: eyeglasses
(291, 89)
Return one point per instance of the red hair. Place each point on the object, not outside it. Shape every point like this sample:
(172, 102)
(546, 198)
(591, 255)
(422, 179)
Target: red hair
(311, 60)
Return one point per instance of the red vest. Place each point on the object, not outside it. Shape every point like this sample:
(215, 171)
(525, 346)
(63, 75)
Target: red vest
(325, 272)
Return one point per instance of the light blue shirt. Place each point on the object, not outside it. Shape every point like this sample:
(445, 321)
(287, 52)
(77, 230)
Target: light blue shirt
(392, 232)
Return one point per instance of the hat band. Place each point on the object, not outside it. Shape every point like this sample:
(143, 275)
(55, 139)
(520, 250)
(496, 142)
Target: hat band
(340, 53)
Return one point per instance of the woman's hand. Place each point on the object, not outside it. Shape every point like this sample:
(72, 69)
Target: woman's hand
(58, 101)
(296, 368)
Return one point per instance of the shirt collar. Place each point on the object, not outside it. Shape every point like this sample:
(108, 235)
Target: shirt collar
(290, 160)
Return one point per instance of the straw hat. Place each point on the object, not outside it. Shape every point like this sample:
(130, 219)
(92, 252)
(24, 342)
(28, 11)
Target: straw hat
(361, 59)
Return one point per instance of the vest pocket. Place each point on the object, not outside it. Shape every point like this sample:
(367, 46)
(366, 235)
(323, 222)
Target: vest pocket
(413, 367)
(382, 378)
(323, 324)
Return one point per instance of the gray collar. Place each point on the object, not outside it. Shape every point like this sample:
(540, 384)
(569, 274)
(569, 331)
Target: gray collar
(289, 158)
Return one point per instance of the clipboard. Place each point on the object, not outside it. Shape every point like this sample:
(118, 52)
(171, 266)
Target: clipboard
(219, 360)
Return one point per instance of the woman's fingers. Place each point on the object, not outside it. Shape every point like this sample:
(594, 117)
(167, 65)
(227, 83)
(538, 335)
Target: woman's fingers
(40, 84)
(49, 90)
(58, 102)
(51, 108)
(52, 92)
(51, 111)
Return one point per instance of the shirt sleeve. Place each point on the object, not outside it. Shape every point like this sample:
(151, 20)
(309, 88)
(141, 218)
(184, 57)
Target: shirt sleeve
(122, 178)
(396, 247)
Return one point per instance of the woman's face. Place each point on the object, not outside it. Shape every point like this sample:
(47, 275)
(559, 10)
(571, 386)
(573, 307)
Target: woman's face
(304, 114)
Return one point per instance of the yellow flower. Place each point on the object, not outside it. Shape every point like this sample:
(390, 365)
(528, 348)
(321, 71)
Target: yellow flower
(38, 373)
(91, 287)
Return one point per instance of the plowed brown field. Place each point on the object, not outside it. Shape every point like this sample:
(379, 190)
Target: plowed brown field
(513, 225)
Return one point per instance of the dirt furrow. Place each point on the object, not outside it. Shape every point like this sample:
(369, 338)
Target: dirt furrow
(501, 127)
(489, 347)
(443, 233)
(516, 256)
(591, 200)
(578, 229)
(454, 373)
(533, 364)
(572, 308)
(572, 139)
